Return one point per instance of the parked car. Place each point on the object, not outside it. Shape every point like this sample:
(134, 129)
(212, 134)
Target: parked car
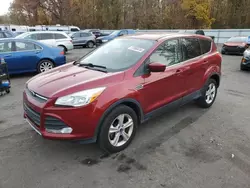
(24, 55)
(245, 62)
(96, 32)
(51, 38)
(6, 34)
(235, 45)
(197, 32)
(113, 35)
(83, 39)
(103, 96)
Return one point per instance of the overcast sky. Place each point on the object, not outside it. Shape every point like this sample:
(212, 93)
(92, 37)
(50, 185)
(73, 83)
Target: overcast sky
(4, 6)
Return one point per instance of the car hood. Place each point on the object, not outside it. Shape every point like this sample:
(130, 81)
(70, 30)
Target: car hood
(68, 79)
(235, 44)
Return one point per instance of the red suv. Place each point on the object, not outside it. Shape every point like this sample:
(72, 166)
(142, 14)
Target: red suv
(105, 95)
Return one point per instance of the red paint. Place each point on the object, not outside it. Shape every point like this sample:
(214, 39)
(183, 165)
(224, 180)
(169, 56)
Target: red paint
(161, 86)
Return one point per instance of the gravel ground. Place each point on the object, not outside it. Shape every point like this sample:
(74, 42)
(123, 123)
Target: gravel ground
(189, 147)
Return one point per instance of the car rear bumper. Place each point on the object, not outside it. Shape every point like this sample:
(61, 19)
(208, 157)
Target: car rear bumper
(48, 120)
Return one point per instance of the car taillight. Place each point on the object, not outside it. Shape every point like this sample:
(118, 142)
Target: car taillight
(62, 52)
(71, 41)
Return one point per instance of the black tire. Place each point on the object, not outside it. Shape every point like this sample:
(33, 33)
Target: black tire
(202, 100)
(42, 62)
(104, 139)
(90, 44)
(223, 52)
(243, 68)
(7, 90)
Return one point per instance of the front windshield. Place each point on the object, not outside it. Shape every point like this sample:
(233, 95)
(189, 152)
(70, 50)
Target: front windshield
(119, 54)
(23, 35)
(238, 39)
(115, 33)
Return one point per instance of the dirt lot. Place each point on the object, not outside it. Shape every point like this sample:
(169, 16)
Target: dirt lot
(187, 148)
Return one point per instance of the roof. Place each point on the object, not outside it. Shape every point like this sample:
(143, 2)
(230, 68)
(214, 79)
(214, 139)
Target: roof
(162, 35)
(21, 40)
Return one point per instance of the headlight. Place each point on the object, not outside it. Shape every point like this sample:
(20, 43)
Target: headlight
(104, 40)
(80, 98)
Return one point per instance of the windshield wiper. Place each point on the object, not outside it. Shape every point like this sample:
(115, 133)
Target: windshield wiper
(92, 66)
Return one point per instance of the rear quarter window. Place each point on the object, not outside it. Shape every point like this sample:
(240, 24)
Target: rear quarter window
(205, 46)
(47, 36)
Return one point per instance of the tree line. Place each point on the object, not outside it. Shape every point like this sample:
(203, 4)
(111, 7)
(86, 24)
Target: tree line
(136, 14)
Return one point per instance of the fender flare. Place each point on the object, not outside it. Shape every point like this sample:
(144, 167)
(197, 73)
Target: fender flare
(113, 106)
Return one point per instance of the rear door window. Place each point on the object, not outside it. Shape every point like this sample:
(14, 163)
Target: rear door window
(47, 36)
(60, 36)
(205, 46)
(190, 48)
(25, 46)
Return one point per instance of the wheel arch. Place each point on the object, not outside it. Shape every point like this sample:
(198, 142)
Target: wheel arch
(132, 103)
(61, 45)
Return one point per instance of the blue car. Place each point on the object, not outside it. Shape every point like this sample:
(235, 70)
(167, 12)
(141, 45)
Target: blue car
(113, 35)
(22, 55)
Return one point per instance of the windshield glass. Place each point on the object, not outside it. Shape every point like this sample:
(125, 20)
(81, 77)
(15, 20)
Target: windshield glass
(115, 33)
(238, 39)
(119, 54)
(21, 36)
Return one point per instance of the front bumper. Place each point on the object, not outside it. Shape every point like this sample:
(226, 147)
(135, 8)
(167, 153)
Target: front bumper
(43, 117)
(245, 62)
(233, 49)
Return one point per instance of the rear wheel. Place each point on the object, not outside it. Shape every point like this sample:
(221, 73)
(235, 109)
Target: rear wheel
(7, 90)
(118, 129)
(45, 65)
(209, 93)
(242, 67)
(90, 44)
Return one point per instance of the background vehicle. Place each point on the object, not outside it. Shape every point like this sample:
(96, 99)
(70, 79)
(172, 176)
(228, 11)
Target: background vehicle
(23, 55)
(83, 39)
(96, 32)
(6, 34)
(197, 32)
(4, 77)
(235, 45)
(58, 27)
(51, 38)
(113, 35)
(107, 93)
(245, 62)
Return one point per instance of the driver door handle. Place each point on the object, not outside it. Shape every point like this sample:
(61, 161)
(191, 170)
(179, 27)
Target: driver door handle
(178, 71)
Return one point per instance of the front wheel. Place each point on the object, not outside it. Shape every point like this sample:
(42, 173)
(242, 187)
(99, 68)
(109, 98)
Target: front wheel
(45, 65)
(209, 93)
(118, 129)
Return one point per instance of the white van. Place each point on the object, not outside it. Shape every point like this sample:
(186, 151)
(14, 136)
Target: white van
(51, 38)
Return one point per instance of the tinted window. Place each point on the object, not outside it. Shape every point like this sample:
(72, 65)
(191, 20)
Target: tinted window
(205, 46)
(76, 35)
(85, 34)
(5, 47)
(167, 53)
(25, 46)
(74, 29)
(2, 35)
(60, 36)
(46, 36)
(237, 39)
(190, 48)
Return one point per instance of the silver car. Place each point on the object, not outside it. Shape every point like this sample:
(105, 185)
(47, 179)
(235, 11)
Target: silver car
(84, 39)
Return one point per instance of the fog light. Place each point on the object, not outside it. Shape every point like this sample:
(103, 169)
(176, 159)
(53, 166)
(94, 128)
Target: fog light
(66, 130)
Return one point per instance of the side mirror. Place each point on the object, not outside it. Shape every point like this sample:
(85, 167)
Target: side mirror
(156, 67)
